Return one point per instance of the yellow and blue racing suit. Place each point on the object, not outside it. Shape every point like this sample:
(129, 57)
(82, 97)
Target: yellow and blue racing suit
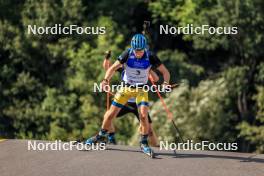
(136, 72)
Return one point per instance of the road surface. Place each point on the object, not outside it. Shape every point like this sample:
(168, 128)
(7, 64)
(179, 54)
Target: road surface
(17, 160)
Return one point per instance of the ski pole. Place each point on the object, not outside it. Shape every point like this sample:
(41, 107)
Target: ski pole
(107, 56)
(146, 26)
(169, 114)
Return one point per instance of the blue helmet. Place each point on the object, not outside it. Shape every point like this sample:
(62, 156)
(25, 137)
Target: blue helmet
(138, 42)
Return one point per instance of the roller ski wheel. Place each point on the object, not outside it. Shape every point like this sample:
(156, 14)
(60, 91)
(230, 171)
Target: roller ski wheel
(147, 150)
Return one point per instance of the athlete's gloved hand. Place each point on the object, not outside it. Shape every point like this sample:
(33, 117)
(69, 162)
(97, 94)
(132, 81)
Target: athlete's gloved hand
(166, 86)
(108, 54)
(105, 85)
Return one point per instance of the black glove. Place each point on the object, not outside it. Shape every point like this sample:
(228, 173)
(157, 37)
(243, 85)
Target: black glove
(108, 54)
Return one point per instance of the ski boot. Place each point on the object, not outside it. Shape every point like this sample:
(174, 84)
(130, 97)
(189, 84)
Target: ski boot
(99, 138)
(111, 139)
(145, 147)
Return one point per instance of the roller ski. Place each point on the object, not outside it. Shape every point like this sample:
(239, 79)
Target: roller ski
(147, 150)
(78, 141)
(99, 138)
(145, 147)
(96, 139)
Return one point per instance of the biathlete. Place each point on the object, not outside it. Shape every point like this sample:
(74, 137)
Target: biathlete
(130, 107)
(137, 62)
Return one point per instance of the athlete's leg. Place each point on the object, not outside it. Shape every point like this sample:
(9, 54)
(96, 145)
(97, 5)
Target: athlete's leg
(153, 140)
(126, 109)
(109, 116)
(119, 101)
(106, 126)
(142, 103)
(111, 135)
(143, 115)
(111, 131)
(122, 112)
(152, 135)
(134, 109)
(112, 128)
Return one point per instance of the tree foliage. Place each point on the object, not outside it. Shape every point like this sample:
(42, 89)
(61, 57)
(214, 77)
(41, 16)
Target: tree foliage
(46, 81)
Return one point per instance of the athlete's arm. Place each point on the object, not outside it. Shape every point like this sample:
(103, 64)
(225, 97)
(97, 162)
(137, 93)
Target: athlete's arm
(110, 72)
(107, 64)
(165, 73)
(153, 76)
(155, 61)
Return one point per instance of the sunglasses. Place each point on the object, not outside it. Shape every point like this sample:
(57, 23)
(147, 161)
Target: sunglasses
(139, 51)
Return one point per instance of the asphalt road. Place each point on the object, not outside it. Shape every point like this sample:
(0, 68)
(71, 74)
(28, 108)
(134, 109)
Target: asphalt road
(17, 160)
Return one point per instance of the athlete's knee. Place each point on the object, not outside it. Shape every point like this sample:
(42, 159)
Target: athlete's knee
(143, 117)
